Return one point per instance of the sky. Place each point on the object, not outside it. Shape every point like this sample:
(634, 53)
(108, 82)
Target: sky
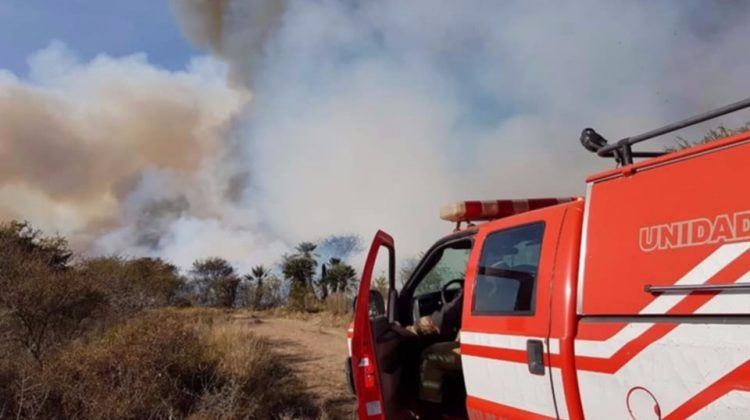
(185, 129)
(91, 27)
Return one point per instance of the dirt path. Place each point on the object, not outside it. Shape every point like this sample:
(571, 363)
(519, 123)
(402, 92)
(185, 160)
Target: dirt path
(317, 354)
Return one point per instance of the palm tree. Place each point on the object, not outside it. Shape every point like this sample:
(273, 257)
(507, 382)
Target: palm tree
(306, 250)
(259, 274)
(338, 276)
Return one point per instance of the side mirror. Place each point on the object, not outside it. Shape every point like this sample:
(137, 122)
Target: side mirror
(377, 304)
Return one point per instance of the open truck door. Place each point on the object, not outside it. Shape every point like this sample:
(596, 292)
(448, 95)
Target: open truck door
(375, 361)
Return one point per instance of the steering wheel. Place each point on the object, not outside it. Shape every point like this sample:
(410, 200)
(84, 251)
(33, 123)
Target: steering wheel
(446, 286)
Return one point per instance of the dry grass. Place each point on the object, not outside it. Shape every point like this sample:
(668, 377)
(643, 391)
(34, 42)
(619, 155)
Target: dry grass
(261, 383)
(334, 312)
(320, 319)
(197, 364)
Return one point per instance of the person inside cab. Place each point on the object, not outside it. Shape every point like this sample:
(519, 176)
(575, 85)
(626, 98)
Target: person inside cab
(442, 357)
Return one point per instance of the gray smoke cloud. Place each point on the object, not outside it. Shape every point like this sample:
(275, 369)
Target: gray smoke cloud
(340, 117)
(234, 30)
(124, 157)
(371, 115)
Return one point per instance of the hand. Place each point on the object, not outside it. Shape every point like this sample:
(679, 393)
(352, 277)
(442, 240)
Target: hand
(403, 332)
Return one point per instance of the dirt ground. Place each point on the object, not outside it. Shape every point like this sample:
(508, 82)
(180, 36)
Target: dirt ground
(317, 354)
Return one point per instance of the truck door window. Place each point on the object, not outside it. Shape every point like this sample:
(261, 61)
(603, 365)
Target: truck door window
(451, 265)
(506, 276)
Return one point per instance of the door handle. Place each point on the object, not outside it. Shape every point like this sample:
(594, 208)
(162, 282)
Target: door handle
(535, 353)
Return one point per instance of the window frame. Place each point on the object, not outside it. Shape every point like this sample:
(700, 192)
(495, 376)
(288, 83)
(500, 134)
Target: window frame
(532, 309)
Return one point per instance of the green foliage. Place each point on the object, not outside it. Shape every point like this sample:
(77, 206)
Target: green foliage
(298, 297)
(338, 278)
(256, 291)
(217, 282)
(407, 269)
(306, 250)
(132, 285)
(224, 290)
(299, 270)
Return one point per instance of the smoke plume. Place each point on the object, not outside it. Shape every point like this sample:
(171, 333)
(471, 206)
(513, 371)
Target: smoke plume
(235, 31)
(333, 117)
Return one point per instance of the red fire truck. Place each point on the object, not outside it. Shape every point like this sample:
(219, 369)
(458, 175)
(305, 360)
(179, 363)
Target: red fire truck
(630, 302)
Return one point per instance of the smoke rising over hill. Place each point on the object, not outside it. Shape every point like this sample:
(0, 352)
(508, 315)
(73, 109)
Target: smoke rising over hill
(337, 117)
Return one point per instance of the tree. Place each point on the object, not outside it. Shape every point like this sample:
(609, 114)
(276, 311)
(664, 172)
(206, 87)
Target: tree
(431, 282)
(407, 269)
(338, 277)
(299, 270)
(44, 301)
(133, 285)
(380, 283)
(306, 249)
(53, 251)
(217, 281)
(259, 274)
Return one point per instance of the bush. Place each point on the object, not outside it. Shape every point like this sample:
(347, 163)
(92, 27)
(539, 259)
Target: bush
(132, 285)
(217, 282)
(257, 383)
(152, 367)
(338, 304)
(44, 302)
(167, 364)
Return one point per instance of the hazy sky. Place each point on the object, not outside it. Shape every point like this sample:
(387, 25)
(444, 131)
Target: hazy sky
(91, 27)
(302, 119)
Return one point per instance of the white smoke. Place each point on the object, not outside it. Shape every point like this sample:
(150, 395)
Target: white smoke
(363, 115)
(373, 114)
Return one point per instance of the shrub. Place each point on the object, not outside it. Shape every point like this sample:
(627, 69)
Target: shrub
(176, 364)
(257, 383)
(44, 303)
(152, 367)
(217, 282)
(132, 285)
(338, 304)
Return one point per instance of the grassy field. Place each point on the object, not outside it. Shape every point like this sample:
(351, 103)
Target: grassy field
(187, 363)
(120, 338)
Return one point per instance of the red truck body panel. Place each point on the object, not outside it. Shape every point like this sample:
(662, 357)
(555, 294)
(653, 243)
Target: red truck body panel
(680, 223)
(640, 299)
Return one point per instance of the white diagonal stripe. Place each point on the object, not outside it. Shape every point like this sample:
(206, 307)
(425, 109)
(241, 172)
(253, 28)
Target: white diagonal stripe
(700, 274)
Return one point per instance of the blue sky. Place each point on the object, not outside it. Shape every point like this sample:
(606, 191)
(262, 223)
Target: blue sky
(91, 27)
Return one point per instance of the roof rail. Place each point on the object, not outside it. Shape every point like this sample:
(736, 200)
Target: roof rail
(622, 151)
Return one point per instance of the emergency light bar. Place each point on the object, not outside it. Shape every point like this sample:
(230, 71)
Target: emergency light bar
(475, 211)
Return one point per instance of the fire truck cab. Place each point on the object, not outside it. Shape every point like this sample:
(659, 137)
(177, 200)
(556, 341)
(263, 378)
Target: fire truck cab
(630, 302)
